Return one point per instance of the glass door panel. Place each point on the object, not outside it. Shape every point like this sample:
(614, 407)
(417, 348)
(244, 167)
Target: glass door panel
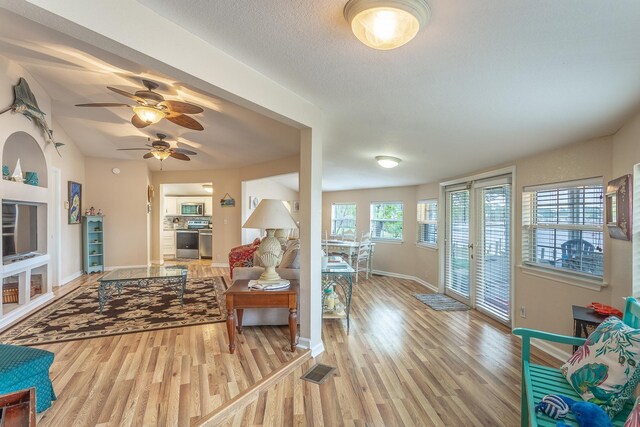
(457, 255)
(493, 252)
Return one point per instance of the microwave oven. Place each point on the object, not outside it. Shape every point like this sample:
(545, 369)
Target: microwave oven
(192, 209)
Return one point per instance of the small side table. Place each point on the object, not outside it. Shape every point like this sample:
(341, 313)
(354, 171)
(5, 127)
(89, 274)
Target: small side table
(239, 297)
(585, 321)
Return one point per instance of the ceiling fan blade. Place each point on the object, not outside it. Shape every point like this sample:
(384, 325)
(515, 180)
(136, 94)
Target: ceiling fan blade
(138, 122)
(132, 149)
(147, 156)
(103, 104)
(185, 121)
(183, 151)
(127, 94)
(182, 107)
(179, 156)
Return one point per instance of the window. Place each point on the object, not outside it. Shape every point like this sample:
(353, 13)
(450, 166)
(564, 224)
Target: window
(343, 218)
(562, 227)
(386, 220)
(428, 222)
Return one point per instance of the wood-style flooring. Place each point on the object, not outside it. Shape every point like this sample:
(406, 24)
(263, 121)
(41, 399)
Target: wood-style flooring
(402, 364)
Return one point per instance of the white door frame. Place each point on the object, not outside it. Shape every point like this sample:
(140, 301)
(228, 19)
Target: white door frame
(56, 235)
(442, 224)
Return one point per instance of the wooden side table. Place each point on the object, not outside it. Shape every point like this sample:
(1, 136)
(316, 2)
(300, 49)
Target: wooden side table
(585, 321)
(239, 297)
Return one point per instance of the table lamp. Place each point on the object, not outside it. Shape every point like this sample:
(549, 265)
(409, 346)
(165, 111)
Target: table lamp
(271, 214)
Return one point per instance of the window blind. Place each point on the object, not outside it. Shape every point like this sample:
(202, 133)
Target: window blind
(493, 254)
(563, 227)
(428, 222)
(457, 274)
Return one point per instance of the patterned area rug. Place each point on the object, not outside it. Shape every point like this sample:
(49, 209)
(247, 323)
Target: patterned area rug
(442, 302)
(76, 315)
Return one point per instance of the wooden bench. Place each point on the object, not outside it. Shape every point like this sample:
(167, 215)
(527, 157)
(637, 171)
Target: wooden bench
(538, 381)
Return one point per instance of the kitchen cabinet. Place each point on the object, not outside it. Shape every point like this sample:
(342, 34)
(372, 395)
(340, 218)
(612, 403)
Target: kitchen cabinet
(168, 244)
(171, 206)
(208, 206)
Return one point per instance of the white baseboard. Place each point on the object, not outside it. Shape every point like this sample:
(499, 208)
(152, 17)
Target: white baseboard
(306, 344)
(406, 276)
(157, 261)
(550, 349)
(114, 267)
(70, 278)
(220, 264)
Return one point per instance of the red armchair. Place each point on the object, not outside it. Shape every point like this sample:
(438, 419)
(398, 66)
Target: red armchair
(242, 256)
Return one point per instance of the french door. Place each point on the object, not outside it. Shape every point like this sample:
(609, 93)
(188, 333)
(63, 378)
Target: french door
(478, 246)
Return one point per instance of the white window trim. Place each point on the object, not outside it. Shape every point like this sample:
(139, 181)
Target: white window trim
(563, 277)
(386, 239)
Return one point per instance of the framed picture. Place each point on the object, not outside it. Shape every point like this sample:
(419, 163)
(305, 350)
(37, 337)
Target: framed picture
(253, 202)
(618, 208)
(227, 201)
(75, 202)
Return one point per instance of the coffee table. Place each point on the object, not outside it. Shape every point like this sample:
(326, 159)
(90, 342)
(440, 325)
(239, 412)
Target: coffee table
(173, 277)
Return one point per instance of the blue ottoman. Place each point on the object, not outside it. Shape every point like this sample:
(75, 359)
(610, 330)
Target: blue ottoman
(25, 367)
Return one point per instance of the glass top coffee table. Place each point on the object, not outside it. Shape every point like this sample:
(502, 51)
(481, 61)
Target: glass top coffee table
(173, 277)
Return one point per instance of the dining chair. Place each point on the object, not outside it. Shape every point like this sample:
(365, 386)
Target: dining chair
(364, 254)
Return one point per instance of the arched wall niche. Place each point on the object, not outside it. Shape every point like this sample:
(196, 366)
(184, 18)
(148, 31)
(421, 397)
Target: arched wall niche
(21, 145)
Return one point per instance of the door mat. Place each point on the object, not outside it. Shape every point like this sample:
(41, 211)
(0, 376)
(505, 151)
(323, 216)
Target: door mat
(77, 316)
(441, 302)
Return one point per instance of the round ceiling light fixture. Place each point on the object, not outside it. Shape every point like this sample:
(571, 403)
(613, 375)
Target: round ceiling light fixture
(208, 188)
(386, 24)
(388, 161)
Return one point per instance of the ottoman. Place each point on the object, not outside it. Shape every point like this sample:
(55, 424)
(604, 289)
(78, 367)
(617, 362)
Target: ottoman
(25, 367)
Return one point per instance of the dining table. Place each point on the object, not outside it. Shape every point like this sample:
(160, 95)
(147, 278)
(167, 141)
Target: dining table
(348, 249)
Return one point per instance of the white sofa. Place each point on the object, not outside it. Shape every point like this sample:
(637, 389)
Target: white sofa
(265, 316)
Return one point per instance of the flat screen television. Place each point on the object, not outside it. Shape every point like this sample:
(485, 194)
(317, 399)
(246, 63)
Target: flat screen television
(19, 229)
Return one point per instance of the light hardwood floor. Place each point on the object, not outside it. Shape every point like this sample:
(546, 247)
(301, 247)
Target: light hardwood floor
(158, 378)
(402, 364)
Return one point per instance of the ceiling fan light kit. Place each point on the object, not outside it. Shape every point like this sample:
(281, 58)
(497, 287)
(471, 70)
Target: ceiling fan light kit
(386, 24)
(388, 162)
(149, 115)
(152, 107)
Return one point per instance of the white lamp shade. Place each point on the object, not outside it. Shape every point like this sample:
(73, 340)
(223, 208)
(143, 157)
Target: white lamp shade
(270, 213)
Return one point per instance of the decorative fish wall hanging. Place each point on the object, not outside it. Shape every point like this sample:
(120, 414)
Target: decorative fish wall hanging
(25, 103)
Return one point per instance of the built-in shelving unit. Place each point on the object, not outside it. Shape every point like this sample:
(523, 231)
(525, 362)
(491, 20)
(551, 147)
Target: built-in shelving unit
(25, 281)
(93, 243)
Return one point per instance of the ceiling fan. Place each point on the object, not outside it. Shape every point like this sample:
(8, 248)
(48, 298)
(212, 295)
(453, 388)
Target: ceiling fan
(152, 107)
(161, 150)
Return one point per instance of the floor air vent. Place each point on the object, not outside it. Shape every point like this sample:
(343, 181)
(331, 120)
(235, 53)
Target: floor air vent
(318, 373)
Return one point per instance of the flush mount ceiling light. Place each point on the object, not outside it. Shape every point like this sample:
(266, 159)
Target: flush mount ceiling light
(386, 24)
(208, 188)
(388, 161)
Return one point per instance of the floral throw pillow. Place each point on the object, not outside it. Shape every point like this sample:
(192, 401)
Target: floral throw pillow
(604, 370)
(633, 420)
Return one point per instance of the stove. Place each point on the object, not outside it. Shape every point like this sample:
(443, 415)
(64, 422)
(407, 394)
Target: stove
(197, 224)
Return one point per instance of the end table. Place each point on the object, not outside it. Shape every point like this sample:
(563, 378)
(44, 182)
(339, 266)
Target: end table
(585, 320)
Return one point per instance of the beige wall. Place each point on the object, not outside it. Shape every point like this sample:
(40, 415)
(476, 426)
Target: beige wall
(398, 258)
(227, 221)
(123, 200)
(547, 300)
(263, 189)
(71, 164)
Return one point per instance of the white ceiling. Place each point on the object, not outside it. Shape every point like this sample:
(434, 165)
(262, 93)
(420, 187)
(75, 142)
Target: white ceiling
(484, 83)
(74, 72)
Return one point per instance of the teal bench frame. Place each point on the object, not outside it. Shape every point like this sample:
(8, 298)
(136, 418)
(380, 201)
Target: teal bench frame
(538, 381)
